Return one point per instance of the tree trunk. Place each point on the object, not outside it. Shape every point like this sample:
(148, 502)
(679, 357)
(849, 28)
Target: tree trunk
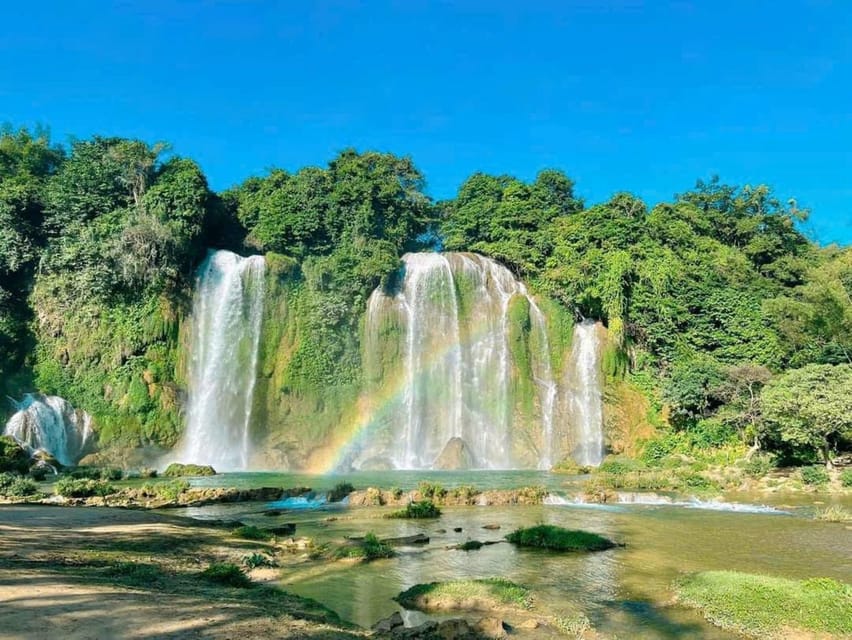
(826, 453)
(755, 447)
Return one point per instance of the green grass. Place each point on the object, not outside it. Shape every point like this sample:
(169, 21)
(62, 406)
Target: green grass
(485, 594)
(815, 476)
(834, 513)
(370, 549)
(416, 510)
(546, 536)
(250, 532)
(227, 574)
(760, 606)
(134, 573)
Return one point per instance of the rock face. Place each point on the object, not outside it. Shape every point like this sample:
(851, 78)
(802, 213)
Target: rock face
(456, 455)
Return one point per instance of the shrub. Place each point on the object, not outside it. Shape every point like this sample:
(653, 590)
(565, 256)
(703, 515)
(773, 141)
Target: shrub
(250, 532)
(6, 480)
(111, 473)
(375, 548)
(465, 493)
(15, 486)
(421, 509)
(169, 491)
(86, 473)
(546, 536)
(846, 478)
(227, 574)
(814, 475)
(396, 492)
(619, 466)
(39, 472)
(13, 457)
(177, 470)
(340, 491)
(82, 488)
(532, 495)
(759, 465)
(429, 490)
(258, 560)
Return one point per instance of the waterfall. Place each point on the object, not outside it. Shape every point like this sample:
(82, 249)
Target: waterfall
(226, 322)
(586, 395)
(51, 424)
(451, 312)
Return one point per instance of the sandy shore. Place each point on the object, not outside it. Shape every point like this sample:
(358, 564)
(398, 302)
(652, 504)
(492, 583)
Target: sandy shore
(50, 586)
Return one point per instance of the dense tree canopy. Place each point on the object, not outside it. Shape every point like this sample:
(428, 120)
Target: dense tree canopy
(716, 295)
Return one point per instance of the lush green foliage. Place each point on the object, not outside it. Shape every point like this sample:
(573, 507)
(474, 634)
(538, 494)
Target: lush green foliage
(371, 548)
(178, 470)
(762, 606)
(13, 457)
(814, 475)
(706, 297)
(546, 536)
(15, 486)
(82, 488)
(419, 509)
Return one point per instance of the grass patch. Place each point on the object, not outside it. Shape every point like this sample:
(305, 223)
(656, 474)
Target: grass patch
(370, 549)
(250, 532)
(416, 510)
(479, 595)
(139, 574)
(834, 513)
(546, 536)
(762, 605)
(227, 574)
(471, 545)
(846, 478)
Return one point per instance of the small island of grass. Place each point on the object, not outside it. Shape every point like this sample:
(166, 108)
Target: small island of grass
(487, 594)
(553, 538)
(764, 606)
(416, 510)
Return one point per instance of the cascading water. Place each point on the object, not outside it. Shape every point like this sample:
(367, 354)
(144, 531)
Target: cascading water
(586, 396)
(455, 408)
(51, 424)
(226, 323)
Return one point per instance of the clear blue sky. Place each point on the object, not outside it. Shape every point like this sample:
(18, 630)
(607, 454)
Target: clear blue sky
(622, 95)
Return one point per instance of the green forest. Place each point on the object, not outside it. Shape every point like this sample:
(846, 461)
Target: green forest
(734, 327)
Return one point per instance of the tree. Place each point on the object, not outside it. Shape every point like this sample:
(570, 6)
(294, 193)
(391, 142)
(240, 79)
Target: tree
(810, 407)
(740, 391)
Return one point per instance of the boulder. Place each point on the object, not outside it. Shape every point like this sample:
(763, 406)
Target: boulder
(389, 624)
(456, 455)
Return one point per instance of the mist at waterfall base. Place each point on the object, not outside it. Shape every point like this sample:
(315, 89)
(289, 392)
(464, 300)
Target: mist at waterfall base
(448, 398)
(51, 424)
(226, 321)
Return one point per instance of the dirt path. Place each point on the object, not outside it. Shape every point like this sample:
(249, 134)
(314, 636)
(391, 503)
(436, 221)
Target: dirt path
(51, 588)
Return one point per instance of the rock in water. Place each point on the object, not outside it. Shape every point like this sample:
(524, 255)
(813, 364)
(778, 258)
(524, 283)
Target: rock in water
(456, 455)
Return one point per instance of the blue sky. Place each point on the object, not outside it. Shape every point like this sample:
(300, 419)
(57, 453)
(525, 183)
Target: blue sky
(622, 95)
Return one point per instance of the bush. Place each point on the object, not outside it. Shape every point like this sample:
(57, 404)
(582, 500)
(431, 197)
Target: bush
(15, 486)
(814, 475)
(396, 492)
(177, 470)
(250, 532)
(465, 493)
(111, 473)
(82, 488)
(375, 548)
(170, 491)
(759, 465)
(429, 490)
(39, 472)
(619, 466)
(258, 560)
(340, 491)
(13, 457)
(227, 574)
(846, 478)
(546, 536)
(86, 473)
(421, 509)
